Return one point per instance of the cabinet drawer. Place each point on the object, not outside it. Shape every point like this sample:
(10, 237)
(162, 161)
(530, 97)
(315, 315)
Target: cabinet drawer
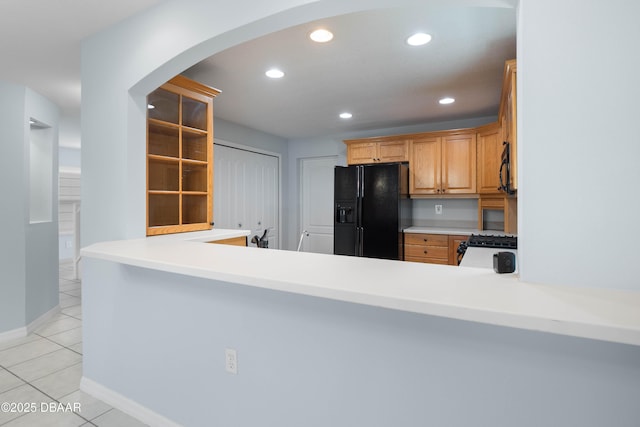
(426, 239)
(440, 252)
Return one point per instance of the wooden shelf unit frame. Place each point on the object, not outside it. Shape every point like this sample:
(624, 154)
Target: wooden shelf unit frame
(180, 157)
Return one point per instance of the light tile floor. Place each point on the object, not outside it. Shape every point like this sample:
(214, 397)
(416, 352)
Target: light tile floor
(45, 368)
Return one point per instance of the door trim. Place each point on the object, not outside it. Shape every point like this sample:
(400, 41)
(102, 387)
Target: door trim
(229, 144)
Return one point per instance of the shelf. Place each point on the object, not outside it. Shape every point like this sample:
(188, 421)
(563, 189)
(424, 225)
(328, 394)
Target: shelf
(160, 158)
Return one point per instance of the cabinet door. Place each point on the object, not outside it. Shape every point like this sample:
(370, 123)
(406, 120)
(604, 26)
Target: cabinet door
(454, 242)
(459, 164)
(362, 153)
(489, 156)
(393, 151)
(424, 173)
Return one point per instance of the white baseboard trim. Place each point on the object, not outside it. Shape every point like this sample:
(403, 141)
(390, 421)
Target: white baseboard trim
(124, 404)
(43, 319)
(26, 330)
(13, 334)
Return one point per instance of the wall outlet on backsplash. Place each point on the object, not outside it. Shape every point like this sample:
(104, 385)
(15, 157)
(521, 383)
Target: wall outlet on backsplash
(438, 209)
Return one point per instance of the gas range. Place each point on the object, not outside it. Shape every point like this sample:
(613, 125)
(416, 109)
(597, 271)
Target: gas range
(487, 241)
(491, 241)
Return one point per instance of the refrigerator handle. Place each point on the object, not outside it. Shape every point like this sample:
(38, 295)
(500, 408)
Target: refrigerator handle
(361, 251)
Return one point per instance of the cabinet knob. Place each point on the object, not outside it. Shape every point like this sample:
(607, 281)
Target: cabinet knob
(239, 225)
(425, 239)
(425, 251)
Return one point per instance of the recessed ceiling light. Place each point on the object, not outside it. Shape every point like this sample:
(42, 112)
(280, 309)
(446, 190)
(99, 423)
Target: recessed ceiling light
(445, 101)
(346, 115)
(321, 35)
(274, 73)
(418, 39)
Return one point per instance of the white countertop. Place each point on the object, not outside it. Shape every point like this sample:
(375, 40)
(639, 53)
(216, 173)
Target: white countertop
(473, 294)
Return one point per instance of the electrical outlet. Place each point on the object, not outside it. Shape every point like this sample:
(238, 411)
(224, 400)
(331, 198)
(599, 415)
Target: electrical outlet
(438, 209)
(68, 244)
(231, 360)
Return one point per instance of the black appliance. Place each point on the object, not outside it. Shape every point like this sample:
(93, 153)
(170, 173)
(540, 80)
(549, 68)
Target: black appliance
(487, 241)
(372, 207)
(505, 170)
(504, 262)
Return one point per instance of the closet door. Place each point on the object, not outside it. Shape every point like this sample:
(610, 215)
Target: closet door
(246, 192)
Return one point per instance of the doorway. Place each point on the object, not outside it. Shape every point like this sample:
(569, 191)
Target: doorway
(316, 212)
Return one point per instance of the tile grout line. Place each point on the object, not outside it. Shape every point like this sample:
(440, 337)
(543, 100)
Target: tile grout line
(64, 346)
(41, 391)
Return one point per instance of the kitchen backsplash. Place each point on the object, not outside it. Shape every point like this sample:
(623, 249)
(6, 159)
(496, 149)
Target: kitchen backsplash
(456, 213)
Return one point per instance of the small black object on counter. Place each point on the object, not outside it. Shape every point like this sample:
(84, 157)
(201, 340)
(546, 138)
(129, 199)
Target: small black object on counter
(504, 262)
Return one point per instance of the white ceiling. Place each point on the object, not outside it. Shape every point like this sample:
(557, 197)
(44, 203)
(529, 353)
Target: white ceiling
(367, 69)
(40, 42)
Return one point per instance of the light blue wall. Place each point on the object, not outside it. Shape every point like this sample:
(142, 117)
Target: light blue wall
(305, 361)
(29, 252)
(42, 239)
(578, 144)
(14, 188)
(69, 157)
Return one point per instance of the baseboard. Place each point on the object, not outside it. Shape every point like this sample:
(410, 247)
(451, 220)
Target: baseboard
(43, 319)
(13, 334)
(124, 404)
(26, 330)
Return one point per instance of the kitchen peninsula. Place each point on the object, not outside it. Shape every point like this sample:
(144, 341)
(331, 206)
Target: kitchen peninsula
(312, 327)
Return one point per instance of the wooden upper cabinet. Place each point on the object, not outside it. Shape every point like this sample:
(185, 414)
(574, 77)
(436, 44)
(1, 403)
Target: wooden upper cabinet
(459, 164)
(378, 150)
(507, 116)
(425, 165)
(180, 157)
(362, 153)
(489, 139)
(443, 163)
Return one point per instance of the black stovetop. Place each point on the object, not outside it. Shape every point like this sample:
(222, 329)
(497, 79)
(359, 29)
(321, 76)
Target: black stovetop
(491, 241)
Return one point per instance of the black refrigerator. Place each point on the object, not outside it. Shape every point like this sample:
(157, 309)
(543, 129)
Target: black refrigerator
(371, 208)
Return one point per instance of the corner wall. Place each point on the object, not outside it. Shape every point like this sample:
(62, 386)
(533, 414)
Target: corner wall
(29, 250)
(578, 145)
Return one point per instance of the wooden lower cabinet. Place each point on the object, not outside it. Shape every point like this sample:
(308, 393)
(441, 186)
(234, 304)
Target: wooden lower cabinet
(432, 248)
(234, 241)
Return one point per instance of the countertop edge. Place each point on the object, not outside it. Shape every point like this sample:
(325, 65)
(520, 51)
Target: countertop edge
(525, 306)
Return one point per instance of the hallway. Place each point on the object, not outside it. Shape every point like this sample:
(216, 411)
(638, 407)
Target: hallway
(43, 372)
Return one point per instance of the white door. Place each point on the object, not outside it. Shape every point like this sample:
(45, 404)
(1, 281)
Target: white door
(246, 192)
(317, 203)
